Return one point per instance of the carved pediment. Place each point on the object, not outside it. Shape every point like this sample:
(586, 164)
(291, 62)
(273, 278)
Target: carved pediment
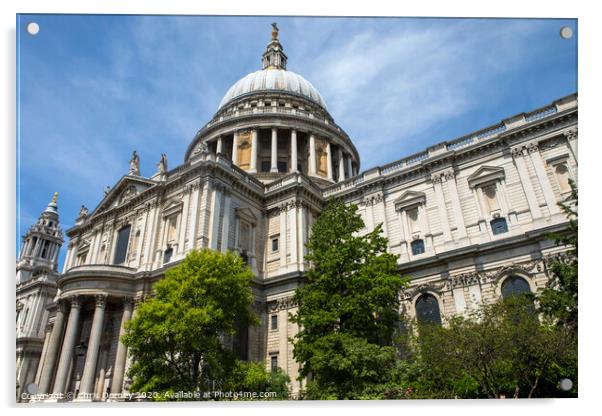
(171, 207)
(486, 174)
(408, 199)
(127, 188)
(83, 246)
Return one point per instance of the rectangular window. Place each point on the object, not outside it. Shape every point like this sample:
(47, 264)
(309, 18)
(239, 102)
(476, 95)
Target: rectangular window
(274, 362)
(274, 244)
(265, 165)
(121, 248)
(499, 226)
(417, 247)
(282, 167)
(274, 322)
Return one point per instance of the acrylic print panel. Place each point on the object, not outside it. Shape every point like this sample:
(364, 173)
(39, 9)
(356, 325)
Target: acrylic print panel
(158, 157)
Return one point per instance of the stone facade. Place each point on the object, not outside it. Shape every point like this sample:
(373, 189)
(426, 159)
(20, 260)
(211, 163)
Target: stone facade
(463, 216)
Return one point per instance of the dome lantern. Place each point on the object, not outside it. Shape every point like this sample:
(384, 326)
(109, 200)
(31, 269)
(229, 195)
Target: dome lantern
(274, 57)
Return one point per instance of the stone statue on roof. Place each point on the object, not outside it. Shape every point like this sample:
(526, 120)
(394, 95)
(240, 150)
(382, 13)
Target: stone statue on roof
(135, 164)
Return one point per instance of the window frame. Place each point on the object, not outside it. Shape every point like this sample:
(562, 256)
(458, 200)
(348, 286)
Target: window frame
(427, 295)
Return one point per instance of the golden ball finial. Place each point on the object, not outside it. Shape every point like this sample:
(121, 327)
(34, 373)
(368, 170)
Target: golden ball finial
(54, 197)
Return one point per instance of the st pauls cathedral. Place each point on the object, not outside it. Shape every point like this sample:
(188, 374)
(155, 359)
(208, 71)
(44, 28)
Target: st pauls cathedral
(468, 218)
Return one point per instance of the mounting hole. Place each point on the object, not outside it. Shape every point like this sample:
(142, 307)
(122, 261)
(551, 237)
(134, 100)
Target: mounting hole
(565, 384)
(32, 388)
(33, 28)
(566, 32)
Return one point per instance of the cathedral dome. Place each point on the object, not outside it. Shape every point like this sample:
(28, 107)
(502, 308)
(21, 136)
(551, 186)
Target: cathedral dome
(273, 80)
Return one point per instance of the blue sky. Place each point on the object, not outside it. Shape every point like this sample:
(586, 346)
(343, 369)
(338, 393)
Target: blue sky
(93, 88)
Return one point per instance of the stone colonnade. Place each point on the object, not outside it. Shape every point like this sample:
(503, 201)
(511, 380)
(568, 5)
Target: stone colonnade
(345, 168)
(61, 348)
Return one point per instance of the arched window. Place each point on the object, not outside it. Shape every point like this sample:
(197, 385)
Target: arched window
(123, 236)
(499, 226)
(427, 310)
(417, 247)
(167, 255)
(514, 285)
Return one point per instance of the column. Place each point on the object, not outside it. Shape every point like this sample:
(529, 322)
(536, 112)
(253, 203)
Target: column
(571, 137)
(436, 179)
(519, 162)
(283, 340)
(349, 167)
(67, 350)
(183, 221)
(274, 159)
(195, 214)
(150, 237)
(87, 380)
(341, 165)
(218, 148)
(292, 220)
(47, 334)
(102, 369)
(53, 349)
(95, 247)
(205, 213)
(302, 235)
(121, 355)
(235, 148)
(283, 209)
(215, 213)
(540, 170)
(294, 158)
(254, 149)
(456, 206)
(226, 222)
(329, 161)
(312, 155)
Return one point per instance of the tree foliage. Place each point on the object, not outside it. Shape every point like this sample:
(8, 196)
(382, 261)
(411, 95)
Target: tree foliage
(499, 350)
(558, 300)
(349, 309)
(253, 377)
(175, 338)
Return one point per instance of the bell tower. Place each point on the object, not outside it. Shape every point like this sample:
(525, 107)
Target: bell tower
(41, 244)
(37, 272)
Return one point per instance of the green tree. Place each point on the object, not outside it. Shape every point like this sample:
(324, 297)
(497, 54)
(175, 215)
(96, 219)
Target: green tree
(348, 310)
(558, 300)
(175, 338)
(253, 377)
(502, 349)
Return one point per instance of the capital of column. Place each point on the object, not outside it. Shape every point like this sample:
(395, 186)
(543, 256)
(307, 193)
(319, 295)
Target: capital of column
(76, 301)
(532, 147)
(61, 305)
(571, 134)
(437, 177)
(517, 152)
(100, 301)
(128, 301)
(138, 299)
